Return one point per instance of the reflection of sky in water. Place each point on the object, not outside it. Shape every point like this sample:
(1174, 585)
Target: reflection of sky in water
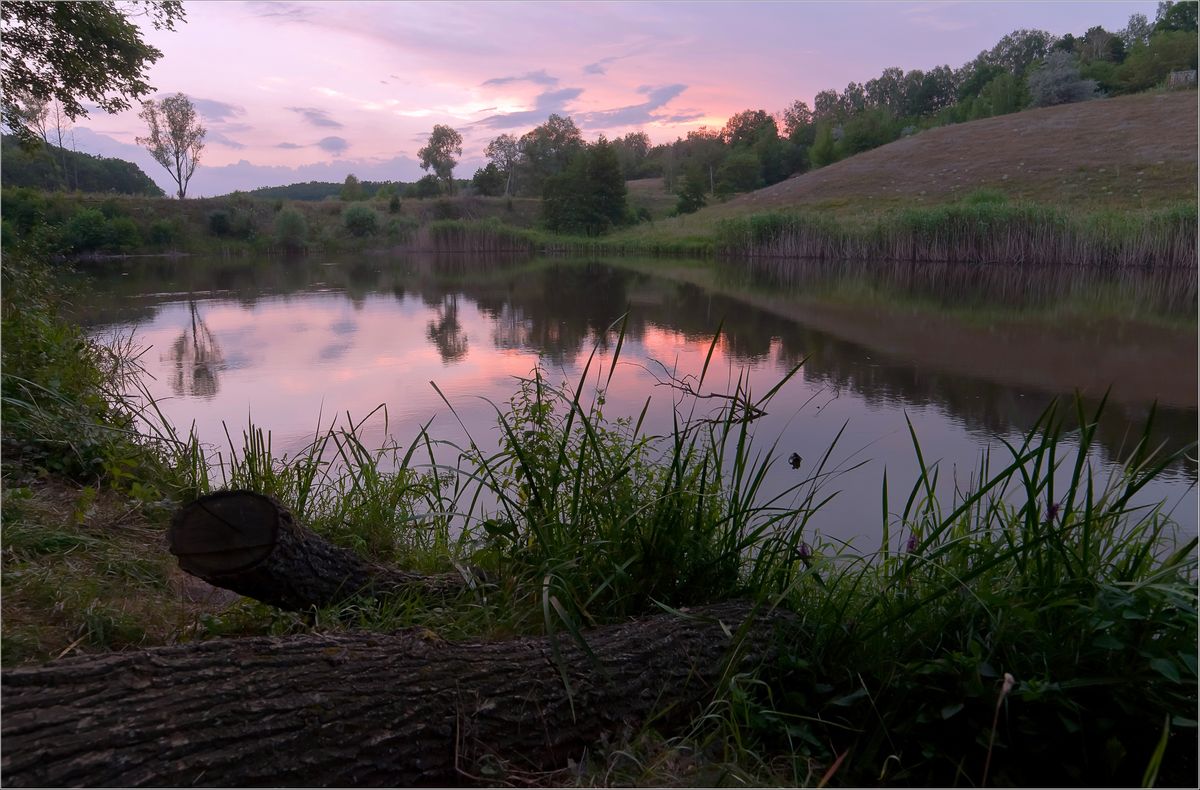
(287, 361)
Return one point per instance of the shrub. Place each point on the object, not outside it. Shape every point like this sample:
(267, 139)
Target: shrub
(111, 209)
(444, 209)
(291, 229)
(740, 172)
(394, 204)
(401, 229)
(1058, 82)
(162, 232)
(122, 235)
(219, 224)
(360, 220)
(86, 231)
(691, 194)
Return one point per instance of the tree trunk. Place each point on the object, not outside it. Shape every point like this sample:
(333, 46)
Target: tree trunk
(400, 709)
(248, 543)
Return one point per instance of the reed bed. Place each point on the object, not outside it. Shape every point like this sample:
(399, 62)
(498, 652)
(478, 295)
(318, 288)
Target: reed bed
(487, 237)
(985, 232)
(1164, 293)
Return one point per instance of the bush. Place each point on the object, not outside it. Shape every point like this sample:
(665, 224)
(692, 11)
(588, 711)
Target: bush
(111, 209)
(740, 172)
(291, 229)
(1058, 82)
(394, 204)
(401, 229)
(219, 223)
(427, 187)
(87, 231)
(122, 235)
(162, 232)
(56, 411)
(691, 194)
(360, 220)
(444, 209)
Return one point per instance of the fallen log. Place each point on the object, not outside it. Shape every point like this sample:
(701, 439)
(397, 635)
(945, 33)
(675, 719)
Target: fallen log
(400, 709)
(249, 543)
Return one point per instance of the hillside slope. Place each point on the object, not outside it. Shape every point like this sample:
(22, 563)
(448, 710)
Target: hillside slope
(1125, 153)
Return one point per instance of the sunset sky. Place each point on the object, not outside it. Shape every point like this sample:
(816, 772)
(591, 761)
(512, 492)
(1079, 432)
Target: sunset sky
(295, 91)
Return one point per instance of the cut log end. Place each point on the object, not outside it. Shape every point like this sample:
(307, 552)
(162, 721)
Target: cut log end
(225, 533)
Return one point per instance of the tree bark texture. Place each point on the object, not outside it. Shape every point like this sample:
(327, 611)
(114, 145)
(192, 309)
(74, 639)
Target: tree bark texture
(248, 543)
(400, 709)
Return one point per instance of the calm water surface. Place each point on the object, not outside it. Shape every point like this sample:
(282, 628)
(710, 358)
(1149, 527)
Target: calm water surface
(289, 343)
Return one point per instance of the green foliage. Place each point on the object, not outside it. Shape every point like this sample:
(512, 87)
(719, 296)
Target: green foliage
(59, 400)
(394, 204)
(445, 209)
(320, 190)
(1149, 64)
(488, 236)
(291, 229)
(1175, 16)
(749, 128)
(426, 187)
(589, 197)
(982, 228)
(351, 190)
(77, 52)
(175, 138)
(1031, 630)
(90, 231)
(219, 223)
(235, 222)
(740, 172)
(1006, 93)
(360, 220)
(868, 129)
(546, 151)
(401, 229)
(824, 149)
(489, 181)
(87, 231)
(444, 145)
(691, 194)
(162, 233)
(48, 167)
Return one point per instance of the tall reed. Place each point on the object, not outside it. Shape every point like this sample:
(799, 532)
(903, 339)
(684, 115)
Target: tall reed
(972, 232)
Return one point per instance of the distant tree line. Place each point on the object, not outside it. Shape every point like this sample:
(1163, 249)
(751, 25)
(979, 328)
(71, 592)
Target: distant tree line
(51, 168)
(755, 148)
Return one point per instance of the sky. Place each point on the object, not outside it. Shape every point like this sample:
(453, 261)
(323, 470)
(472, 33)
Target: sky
(302, 91)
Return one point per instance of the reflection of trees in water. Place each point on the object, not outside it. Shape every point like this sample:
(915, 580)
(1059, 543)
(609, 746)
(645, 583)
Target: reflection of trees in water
(1159, 291)
(559, 311)
(445, 332)
(197, 358)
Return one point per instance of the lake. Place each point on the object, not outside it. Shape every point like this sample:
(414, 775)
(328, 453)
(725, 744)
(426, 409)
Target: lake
(970, 355)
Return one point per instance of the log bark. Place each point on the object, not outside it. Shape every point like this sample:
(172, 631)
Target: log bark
(401, 709)
(249, 543)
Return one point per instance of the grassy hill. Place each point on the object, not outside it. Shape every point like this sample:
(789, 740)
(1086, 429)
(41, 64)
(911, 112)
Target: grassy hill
(1126, 153)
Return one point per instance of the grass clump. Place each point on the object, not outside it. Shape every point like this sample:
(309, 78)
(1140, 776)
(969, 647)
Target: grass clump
(1029, 631)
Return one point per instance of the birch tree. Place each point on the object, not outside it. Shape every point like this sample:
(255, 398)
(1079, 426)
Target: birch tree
(176, 137)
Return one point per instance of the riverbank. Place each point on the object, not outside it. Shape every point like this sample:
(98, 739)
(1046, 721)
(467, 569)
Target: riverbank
(1097, 340)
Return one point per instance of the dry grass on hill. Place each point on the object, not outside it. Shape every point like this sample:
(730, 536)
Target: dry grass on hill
(1125, 153)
